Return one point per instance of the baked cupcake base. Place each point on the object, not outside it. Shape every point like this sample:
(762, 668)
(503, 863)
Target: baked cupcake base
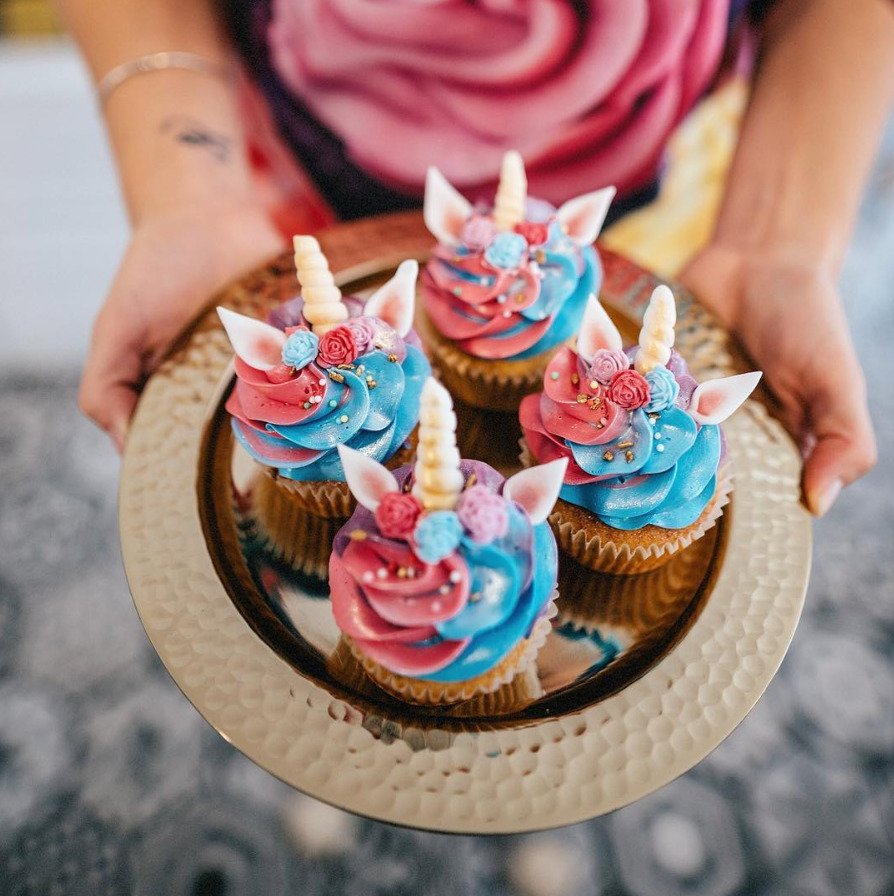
(299, 520)
(581, 535)
(506, 687)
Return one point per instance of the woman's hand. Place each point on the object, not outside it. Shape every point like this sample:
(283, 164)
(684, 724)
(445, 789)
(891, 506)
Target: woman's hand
(176, 260)
(788, 315)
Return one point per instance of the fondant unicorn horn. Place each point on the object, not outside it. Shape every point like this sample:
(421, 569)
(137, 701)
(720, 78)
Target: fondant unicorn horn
(656, 338)
(509, 205)
(323, 307)
(438, 478)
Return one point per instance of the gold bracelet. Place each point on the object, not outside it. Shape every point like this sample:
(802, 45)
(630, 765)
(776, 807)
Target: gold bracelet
(156, 62)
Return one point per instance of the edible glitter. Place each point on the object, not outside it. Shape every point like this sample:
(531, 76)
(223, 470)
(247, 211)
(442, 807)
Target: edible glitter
(608, 456)
(336, 377)
(358, 535)
(575, 379)
(629, 456)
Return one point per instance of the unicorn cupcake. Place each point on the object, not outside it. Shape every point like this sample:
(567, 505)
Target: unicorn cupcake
(443, 579)
(336, 371)
(504, 287)
(647, 471)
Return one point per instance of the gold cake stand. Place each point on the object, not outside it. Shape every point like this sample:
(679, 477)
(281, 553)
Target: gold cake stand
(631, 689)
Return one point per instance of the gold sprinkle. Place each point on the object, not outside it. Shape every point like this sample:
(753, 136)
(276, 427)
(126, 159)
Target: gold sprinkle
(575, 379)
(608, 456)
(629, 456)
(582, 398)
(627, 444)
(473, 478)
(474, 598)
(360, 369)
(540, 256)
(401, 572)
(336, 377)
(358, 535)
(345, 366)
(392, 358)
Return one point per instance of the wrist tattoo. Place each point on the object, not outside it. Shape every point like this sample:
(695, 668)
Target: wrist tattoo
(191, 132)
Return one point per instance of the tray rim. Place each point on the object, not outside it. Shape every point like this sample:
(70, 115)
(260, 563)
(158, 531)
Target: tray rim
(647, 766)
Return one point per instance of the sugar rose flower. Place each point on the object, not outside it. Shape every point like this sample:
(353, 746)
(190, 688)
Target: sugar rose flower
(397, 514)
(534, 234)
(437, 535)
(663, 389)
(338, 346)
(478, 232)
(364, 331)
(629, 389)
(606, 364)
(483, 514)
(300, 348)
(507, 251)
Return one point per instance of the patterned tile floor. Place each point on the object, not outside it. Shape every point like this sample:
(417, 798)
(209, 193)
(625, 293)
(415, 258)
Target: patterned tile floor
(110, 783)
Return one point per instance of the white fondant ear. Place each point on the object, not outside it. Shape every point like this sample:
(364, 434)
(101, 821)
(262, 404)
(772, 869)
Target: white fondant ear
(713, 401)
(256, 343)
(395, 302)
(367, 479)
(597, 331)
(444, 209)
(583, 216)
(537, 488)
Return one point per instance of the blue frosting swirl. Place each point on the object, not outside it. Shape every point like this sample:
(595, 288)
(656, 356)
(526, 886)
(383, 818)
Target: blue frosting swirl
(374, 419)
(670, 481)
(512, 591)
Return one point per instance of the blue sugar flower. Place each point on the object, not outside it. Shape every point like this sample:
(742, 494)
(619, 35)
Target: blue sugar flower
(300, 349)
(506, 251)
(437, 535)
(663, 390)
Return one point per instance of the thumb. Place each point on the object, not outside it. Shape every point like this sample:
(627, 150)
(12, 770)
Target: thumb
(845, 447)
(111, 381)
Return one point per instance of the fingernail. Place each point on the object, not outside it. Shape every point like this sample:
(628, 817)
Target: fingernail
(117, 432)
(820, 502)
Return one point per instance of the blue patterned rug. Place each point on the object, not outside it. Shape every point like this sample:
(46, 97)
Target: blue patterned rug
(110, 782)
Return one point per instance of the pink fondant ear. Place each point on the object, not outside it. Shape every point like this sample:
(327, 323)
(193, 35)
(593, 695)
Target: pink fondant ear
(367, 479)
(395, 302)
(444, 209)
(537, 488)
(258, 344)
(583, 216)
(713, 401)
(597, 331)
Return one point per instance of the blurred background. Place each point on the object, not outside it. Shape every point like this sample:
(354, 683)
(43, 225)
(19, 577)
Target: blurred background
(110, 782)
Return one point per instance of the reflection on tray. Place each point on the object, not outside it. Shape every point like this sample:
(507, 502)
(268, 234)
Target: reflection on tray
(609, 630)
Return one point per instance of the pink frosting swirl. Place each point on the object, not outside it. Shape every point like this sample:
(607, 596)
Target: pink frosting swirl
(587, 92)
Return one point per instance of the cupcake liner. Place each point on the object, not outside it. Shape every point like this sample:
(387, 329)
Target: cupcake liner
(299, 520)
(434, 693)
(639, 605)
(602, 548)
(496, 385)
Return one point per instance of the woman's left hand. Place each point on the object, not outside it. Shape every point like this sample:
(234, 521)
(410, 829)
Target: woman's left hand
(788, 316)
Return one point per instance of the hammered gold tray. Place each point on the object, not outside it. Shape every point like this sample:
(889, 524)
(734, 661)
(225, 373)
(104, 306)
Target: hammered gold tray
(631, 690)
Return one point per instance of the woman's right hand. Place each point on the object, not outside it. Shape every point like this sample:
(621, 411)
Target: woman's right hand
(177, 259)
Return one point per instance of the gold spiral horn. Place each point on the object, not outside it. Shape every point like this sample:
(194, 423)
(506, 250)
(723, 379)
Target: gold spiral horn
(323, 305)
(438, 479)
(509, 205)
(656, 338)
